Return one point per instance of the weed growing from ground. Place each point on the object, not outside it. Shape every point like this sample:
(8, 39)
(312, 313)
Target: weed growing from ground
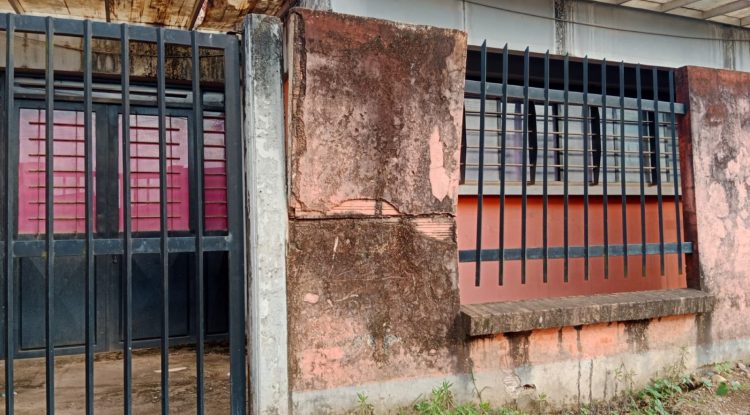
(440, 402)
(363, 406)
(656, 398)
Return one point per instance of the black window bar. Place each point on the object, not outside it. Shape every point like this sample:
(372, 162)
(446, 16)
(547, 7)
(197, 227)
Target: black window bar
(93, 245)
(592, 143)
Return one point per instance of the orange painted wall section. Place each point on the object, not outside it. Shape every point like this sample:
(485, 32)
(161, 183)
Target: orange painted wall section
(512, 289)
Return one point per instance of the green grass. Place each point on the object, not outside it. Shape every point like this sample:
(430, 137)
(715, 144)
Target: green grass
(654, 399)
(440, 402)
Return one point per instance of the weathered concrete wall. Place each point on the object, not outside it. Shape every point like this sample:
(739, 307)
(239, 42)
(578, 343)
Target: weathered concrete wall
(376, 115)
(716, 149)
(370, 299)
(373, 122)
(374, 132)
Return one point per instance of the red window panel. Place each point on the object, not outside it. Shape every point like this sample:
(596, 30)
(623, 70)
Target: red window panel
(144, 173)
(69, 172)
(214, 173)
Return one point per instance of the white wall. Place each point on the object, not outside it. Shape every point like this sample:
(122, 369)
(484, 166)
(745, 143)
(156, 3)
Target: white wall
(678, 40)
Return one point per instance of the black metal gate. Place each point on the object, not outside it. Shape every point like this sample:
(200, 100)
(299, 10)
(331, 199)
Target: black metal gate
(142, 244)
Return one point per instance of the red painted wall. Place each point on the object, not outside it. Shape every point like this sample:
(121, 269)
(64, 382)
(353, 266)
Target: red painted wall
(512, 289)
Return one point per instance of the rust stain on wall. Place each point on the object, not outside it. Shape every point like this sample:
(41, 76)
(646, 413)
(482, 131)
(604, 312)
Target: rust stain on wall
(637, 335)
(519, 347)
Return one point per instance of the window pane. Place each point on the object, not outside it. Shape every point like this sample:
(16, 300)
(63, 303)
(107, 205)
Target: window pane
(68, 177)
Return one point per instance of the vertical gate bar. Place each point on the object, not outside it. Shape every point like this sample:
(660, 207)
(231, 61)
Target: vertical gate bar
(198, 163)
(675, 166)
(49, 212)
(503, 142)
(89, 185)
(480, 173)
(236, 222)
(566, 86)
(524, 163)
(585, 117)
(163, 221)
(10, 343)
(623, 175)
(463, 147)
(640, 167)
(605, 197)
(545, 230)
(657, 153)
(127, 253)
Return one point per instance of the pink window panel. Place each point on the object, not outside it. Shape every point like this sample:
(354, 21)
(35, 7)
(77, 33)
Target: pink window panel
(214, 173)
(144, 173)
(69, 177)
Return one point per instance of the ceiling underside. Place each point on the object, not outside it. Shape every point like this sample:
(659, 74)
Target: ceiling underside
(732, 12)
(219, 15)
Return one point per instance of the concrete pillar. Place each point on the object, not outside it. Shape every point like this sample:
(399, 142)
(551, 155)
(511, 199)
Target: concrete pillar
(714, 155)
(267, 216)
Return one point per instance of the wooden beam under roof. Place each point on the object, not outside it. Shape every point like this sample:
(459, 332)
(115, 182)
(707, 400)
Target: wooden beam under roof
(675, 4)
(725, 9)
(17, 7)
(221, 15)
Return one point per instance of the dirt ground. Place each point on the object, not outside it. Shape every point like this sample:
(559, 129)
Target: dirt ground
(700, 393)
(705, 401)
(108, 390)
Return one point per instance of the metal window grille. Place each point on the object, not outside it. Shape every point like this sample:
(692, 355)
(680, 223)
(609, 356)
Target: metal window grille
(604, 138)
(50, 154)
(520, 140)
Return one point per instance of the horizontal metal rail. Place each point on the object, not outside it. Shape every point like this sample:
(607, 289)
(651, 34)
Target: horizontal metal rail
(115, 246)
(514, 254)
(495, 91)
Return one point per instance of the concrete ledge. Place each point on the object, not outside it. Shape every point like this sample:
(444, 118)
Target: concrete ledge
(515, 316)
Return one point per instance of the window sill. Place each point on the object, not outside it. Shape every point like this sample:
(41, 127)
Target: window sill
(516, 316)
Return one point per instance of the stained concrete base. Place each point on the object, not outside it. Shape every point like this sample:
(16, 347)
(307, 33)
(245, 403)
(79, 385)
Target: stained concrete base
(566, 383)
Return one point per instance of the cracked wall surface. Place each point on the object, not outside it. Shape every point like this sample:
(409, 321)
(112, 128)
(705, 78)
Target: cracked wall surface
(375, 112)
